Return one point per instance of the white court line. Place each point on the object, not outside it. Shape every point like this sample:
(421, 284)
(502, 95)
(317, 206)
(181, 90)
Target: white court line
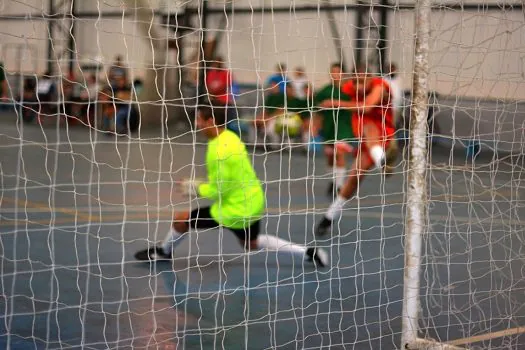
(488, 336)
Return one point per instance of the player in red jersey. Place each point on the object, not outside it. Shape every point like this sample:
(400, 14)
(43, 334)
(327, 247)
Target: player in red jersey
(373, 124)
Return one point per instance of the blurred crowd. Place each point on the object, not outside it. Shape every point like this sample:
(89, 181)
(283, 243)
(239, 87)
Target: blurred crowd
(80, 99)
(107, 98)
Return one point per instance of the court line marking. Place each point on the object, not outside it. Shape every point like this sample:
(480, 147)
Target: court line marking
(393, 199)
(42, 206)
(166, 214)
(488, 336)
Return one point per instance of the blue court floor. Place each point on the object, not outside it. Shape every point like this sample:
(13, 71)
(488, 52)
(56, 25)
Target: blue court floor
(76, 206)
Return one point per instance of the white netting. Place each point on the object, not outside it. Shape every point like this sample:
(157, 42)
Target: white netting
(78, 201)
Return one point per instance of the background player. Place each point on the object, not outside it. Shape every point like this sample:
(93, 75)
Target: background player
(276, 105)
(239, 200)
(373, 125)
(336, 127)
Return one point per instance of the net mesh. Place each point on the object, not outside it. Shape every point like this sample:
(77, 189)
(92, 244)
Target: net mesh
(78, 201)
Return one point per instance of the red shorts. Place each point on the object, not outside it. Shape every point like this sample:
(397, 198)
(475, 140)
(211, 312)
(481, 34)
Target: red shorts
(387, 135)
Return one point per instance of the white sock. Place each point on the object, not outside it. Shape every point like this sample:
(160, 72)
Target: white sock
(340, 176)
(378, 155)
(270, 242)
(173, 239)
(335, 209)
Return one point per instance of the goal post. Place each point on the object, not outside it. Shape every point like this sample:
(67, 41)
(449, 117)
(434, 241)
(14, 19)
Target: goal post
(416, 214)
(416, 220)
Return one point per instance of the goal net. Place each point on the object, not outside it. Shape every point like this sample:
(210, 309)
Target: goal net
(98, 131)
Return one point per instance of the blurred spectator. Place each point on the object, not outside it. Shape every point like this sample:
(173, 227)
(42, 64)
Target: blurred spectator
(300, 83)
(299, 106)
(46, 91)
(89, 93)
(219, 84)
(433, 109)
(28, 100)
(138, 86)
(274, 102)
(295, 104)
(279, 78)
(4, 97)
(122, 90)
(119, 115)
(69, 97)
(219, 81)
(117, 71)
(85, 97)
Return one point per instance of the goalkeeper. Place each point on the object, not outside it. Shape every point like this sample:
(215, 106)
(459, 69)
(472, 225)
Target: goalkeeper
(237, 195)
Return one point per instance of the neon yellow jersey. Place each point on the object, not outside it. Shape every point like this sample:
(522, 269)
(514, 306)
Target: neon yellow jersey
(232, 183)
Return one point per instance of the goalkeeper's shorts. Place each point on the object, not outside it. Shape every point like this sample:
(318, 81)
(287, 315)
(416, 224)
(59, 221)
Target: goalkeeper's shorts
(201, 218)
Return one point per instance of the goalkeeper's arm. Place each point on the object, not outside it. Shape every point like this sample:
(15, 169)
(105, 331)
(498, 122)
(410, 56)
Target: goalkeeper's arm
(219, 182)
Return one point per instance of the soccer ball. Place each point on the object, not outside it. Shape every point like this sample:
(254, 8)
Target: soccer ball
(288, 124)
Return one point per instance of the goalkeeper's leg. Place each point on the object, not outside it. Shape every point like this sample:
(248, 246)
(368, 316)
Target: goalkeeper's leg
(182, 223)
(248, 237)
(251, 239)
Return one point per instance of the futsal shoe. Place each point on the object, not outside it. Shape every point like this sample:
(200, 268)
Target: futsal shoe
(323, 228)
(152, 254)
(318, 256)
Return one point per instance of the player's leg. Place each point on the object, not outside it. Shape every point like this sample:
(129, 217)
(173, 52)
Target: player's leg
(382, 146)
(121, 119)
(199, 218)
(336, 157)
(330, 161)
(362, 163)
(251, 239)
(341, 148)
(375, 143)
(392, 152)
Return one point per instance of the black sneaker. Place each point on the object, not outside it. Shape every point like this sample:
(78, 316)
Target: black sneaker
(318, 256)
(323, 228)
(152, 254)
